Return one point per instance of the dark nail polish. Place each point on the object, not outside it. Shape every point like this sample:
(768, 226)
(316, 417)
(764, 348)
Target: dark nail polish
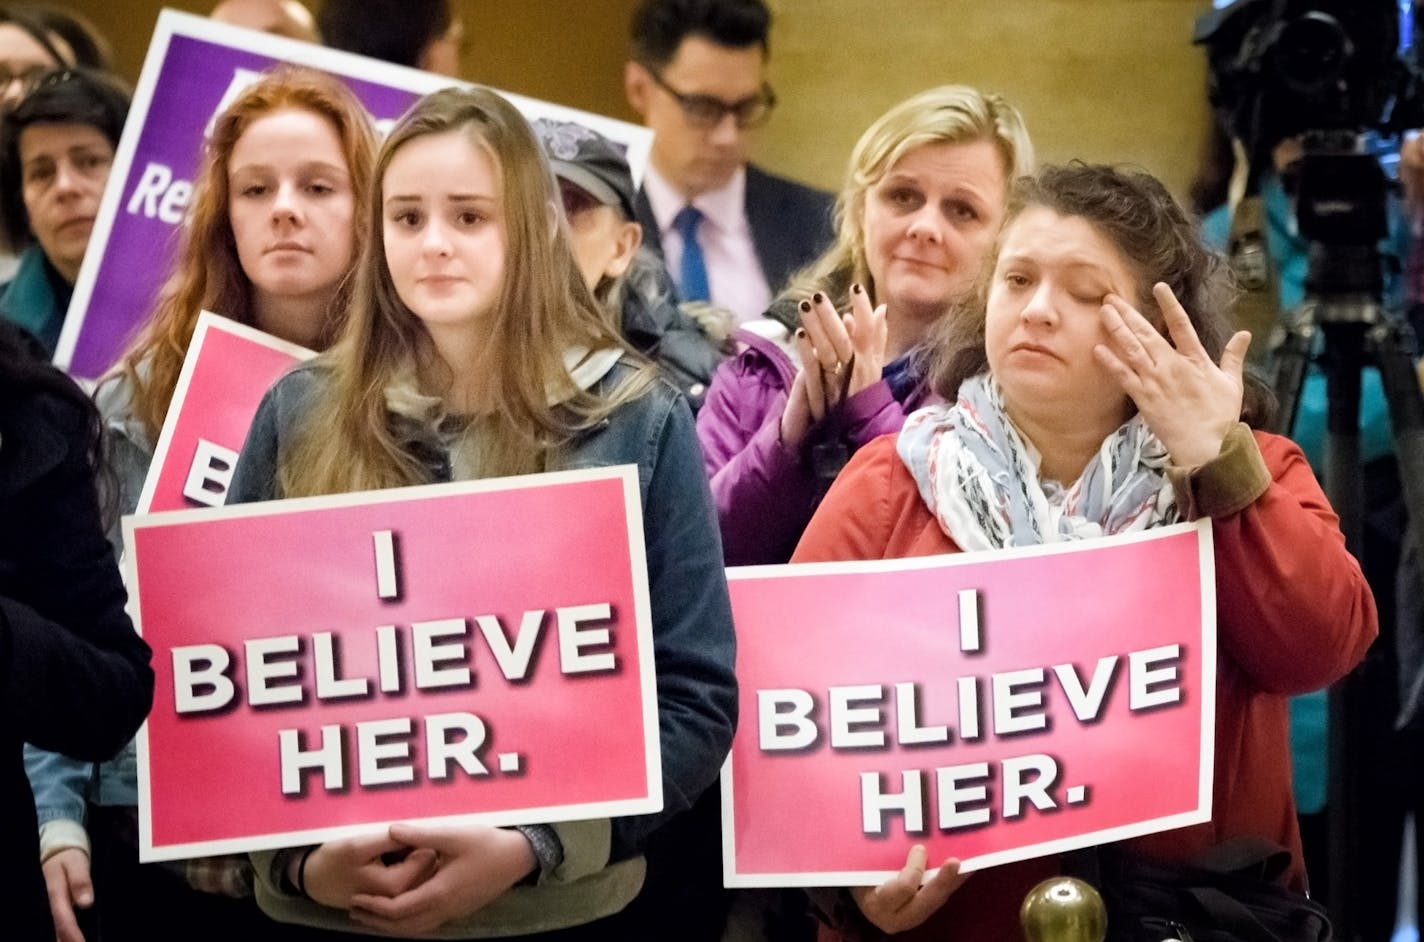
(818, 297)
(857, 289)
(805, 307)
(801, 331)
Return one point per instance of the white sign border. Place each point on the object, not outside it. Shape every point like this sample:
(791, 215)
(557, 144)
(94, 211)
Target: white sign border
(207, 321)
(626, 474)
(1206, 561)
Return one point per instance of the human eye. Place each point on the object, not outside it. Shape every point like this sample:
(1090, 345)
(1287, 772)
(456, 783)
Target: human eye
(703, 109)
(1016, 279)
(903, 197)
(40, 171)
(249, 187)
(406, 218)
(961, 211)
(1087, 293)
(469, 218)
(90, 161)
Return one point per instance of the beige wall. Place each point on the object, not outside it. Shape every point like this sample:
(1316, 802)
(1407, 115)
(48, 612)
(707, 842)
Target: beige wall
(1114, 80)
(1111, 80)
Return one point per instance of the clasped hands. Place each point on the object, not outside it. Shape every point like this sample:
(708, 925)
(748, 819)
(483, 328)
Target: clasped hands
(840, 354)
(435, 874)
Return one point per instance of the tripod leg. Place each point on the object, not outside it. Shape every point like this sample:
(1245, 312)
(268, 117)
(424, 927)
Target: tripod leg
(1406, 416)
(1343, 360)
(1406, 413)
(1291, 356)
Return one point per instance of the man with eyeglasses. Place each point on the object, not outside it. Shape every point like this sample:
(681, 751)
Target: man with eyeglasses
(730, 233)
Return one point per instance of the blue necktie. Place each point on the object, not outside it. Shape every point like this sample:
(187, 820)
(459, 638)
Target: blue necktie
(694, 268)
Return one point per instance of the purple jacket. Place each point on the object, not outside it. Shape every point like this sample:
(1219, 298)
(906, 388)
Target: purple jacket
(766, 492)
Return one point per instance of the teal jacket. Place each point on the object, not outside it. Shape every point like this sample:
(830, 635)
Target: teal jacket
(37, 298)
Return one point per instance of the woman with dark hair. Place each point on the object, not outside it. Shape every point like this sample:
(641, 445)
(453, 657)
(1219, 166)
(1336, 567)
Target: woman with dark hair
(74, 677)
(1093, 388)
(56, 149)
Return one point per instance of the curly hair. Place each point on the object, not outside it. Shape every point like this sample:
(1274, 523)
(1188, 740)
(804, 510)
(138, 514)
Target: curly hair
(1140, 218)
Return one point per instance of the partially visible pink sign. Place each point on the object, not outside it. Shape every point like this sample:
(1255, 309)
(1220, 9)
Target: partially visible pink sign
(993, 707)
(477, 651)
(228, 369)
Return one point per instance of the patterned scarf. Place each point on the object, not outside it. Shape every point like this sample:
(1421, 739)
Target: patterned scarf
(979, 477)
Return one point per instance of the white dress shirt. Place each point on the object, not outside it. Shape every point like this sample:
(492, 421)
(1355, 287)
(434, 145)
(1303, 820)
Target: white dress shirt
(734, 276)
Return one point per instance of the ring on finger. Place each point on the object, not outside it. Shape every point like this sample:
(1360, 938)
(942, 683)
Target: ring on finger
(834, 370)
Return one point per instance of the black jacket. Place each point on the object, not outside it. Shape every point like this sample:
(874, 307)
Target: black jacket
(74, 677)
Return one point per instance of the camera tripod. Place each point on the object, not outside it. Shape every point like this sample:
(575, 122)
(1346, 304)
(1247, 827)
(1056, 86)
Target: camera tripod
(1342, 323)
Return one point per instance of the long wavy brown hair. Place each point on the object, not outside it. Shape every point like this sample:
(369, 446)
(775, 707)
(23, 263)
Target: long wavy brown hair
(346, 441)
(207, 274)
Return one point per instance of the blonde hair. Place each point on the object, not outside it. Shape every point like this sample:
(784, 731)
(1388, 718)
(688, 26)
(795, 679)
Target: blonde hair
(948, 114)
(208, 274)
(346, 441)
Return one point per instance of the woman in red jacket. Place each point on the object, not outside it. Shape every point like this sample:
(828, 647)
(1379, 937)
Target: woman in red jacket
(1093, 388)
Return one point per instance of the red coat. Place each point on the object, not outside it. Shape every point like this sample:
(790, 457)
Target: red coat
(1294, 614)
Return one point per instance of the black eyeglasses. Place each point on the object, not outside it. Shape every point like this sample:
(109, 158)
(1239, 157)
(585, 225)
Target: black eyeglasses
(28, 77)
(707, 111)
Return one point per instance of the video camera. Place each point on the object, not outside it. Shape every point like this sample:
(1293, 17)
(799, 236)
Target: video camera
(1324, 71)
(1280, 68)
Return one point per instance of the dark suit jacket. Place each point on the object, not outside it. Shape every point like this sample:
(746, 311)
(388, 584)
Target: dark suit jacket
(791, 224)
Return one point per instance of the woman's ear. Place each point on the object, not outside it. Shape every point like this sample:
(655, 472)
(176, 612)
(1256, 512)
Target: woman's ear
(551, 209)
(627, 241)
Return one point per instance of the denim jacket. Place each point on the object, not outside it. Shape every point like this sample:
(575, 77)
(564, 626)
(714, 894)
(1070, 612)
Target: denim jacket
(693, 641)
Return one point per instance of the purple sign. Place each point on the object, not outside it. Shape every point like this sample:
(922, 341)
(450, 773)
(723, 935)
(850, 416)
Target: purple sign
(194, 67)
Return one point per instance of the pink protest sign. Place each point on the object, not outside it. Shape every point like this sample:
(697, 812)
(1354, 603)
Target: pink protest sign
(228, 369)
(993, 707)
(478, 651)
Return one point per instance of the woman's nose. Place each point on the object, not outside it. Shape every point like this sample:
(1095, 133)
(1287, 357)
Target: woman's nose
(67, 177)
(1038, 309)
(925, 225)
(285, 203)
(435, 240)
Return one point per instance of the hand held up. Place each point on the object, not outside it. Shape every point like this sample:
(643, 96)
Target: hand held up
(1190, 402)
